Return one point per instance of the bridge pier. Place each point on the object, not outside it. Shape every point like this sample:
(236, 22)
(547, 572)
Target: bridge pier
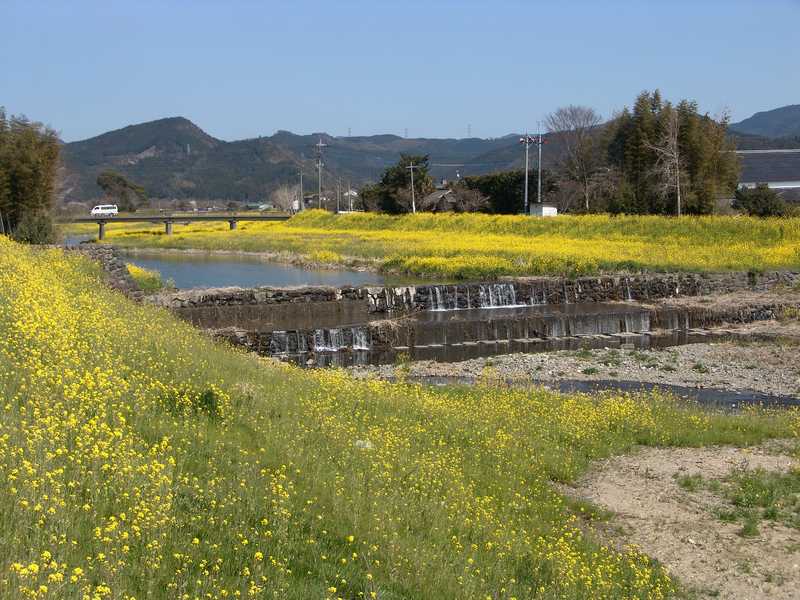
(101, 235)
(168, 227)
(232, 224)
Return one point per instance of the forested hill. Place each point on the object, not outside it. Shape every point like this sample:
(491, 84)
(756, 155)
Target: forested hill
(777, 123)
(174, 158)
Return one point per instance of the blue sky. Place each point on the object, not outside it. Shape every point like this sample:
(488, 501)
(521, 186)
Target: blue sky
(244, 68)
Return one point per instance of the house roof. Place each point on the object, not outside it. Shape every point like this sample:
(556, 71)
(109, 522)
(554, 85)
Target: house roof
(781, 168)
(434, 198)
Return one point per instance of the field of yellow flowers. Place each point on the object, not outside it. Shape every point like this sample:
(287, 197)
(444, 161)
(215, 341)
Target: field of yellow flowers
(467, 246)
(138, 459)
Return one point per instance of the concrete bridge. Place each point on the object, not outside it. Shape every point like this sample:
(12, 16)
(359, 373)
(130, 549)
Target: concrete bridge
(170, 220)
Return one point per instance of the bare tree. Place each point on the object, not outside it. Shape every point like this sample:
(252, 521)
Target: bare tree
(469, 200)
(285, 196)
(575, 127)
(667, 170)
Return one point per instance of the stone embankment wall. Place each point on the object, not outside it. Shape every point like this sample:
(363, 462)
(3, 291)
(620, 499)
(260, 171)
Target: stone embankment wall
(315, 307)
(267, 308)
(114, 268)
(409, 333)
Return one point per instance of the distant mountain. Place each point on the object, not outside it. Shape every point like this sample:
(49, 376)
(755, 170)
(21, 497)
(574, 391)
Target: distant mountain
(174, 158)
(777, 123)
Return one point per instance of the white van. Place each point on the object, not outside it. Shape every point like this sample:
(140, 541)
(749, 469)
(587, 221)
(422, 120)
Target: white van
(104, 210)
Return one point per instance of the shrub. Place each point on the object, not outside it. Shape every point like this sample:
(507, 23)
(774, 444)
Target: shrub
(760, 201)
(35, 228)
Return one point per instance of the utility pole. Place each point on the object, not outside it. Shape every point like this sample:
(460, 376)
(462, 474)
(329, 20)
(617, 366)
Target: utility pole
(678, 174)
(319, 146)
(338, 185)
(539, 177)
(350, 195)
(411, 168)
(301, 206)
(527, 141)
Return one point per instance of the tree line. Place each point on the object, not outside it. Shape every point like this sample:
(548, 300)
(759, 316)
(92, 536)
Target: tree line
(654, 158)
(29, 161)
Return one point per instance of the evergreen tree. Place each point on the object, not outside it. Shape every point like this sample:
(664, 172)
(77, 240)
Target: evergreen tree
(127, 195)
(760, 201)
(708, 169)
(29, 158)
(393, 193)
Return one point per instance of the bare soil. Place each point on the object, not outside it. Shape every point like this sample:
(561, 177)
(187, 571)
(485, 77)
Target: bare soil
(679, 528)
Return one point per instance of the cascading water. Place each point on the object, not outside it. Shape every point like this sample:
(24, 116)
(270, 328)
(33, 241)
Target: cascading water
(438, 302)
(302, 342)
(538, 296)
(279, 342)
(496, 295)
(628, 295)
(328, 340)
(360, 338)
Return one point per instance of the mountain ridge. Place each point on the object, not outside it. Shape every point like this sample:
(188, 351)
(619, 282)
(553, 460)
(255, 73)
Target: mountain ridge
(174, 158)
(780, 122)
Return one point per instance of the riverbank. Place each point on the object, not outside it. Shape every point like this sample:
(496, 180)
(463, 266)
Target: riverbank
(763, 360)
(473, 246)
(121, 419)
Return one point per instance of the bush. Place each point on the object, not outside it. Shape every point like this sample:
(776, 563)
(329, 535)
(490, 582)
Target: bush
(760, 201)
(35, 228)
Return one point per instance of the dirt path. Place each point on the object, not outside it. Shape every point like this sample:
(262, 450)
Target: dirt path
(679, 528)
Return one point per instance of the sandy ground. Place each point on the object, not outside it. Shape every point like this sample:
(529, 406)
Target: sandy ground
(679, 529)
(769, 365)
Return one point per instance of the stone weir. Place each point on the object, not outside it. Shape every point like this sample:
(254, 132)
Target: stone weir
(268, 308)
(462, 334)
(452, 322)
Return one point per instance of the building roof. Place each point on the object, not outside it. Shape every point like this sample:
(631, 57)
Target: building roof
(779, 168)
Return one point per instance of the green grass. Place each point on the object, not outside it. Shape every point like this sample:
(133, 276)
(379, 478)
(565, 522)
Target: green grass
(752, 496)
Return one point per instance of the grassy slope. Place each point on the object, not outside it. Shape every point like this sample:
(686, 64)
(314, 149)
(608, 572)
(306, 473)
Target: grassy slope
(138, 459)
(474, 246)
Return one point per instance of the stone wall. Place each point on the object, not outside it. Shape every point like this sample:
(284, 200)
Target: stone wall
(224, 307)
(266, 308)
(114, 268)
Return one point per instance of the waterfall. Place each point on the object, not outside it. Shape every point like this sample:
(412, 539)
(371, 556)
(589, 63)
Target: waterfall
(534, 300)
(279, 342)
(360, 338)
(438, 300)
(329, 340)
(628, 295)
(302, 342)
(495, 295)
(566, 293)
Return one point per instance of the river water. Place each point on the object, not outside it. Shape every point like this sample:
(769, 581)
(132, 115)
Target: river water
(201, 270)
(209, 270)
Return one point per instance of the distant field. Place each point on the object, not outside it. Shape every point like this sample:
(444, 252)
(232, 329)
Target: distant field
(138, 459)
(475, 246)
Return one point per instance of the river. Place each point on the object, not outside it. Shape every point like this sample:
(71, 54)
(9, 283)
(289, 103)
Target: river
(201, 270)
